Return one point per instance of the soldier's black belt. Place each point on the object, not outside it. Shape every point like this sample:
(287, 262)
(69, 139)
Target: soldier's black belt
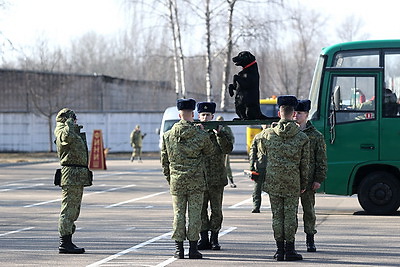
(74, 165)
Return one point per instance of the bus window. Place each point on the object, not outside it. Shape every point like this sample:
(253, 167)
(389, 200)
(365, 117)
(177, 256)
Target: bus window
(392, 84)
(354, 98)
(357, 59)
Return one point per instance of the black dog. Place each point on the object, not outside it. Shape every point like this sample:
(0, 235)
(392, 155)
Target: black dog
(246, 84)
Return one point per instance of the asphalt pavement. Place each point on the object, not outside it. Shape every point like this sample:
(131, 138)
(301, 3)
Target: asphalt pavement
(126, 220)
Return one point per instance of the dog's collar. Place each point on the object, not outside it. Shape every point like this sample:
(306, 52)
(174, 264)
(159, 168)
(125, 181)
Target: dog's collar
(252, 63)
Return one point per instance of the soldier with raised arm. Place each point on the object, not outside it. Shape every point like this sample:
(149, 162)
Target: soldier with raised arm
(182, 158)
(288, 156)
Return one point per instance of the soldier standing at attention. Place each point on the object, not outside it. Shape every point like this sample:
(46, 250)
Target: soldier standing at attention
(318, 168)
(136, 143)
(73, 154)
(227, 158)
(288, 156)
(182, 159)
(216, 179)
(258, 163)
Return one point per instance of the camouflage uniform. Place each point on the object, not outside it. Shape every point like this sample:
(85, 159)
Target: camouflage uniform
(258, 163)
(318, 168)
(136, 143)
(73, 154)
(182, 159)
(216, 179)
(287, 150)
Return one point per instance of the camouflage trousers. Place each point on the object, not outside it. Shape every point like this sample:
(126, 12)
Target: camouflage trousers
(70, 208)
(309, 218)
(137, 152)
(213, 222)
(228, 167)
(257, 190)
(193, 203)
(284, 217)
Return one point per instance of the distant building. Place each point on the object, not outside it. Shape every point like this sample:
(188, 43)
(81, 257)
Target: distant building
(47, 92)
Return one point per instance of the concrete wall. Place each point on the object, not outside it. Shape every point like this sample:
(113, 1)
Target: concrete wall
(26, 132)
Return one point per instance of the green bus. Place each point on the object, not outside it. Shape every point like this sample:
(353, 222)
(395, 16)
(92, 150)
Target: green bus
(354, 95)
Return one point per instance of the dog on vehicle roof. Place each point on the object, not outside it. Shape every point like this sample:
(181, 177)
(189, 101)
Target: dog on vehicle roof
(246, 84)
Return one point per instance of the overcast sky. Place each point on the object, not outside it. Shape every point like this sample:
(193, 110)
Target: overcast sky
(61, 20)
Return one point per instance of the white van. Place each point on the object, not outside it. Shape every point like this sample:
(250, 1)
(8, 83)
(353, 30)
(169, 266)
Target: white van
(170, 117)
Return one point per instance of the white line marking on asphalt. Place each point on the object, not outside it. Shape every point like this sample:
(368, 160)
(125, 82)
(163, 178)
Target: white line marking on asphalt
(126, 251)
(22, 181)
(42, 203)
(135, 199)
(172, 259)
(84, 195)
(243, 202)
(17, 231)
(19, 187)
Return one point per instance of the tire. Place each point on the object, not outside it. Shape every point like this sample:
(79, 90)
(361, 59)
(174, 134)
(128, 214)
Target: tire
(379, 193)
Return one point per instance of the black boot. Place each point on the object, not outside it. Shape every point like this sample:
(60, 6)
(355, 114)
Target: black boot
(180, 251)
(204, 242)
(193, 252)
(310, 243)
(214, 241)
(280, 252)
(290, 253)
(67, 247)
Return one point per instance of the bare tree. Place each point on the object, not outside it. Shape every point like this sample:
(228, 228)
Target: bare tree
(350, 29)
(47, 97)
(228, 54)
(179, 62)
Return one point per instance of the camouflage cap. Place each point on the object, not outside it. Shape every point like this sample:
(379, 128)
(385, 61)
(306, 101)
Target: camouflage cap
(64, 114)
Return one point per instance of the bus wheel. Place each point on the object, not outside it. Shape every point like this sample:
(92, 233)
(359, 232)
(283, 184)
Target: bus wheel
(379, 193)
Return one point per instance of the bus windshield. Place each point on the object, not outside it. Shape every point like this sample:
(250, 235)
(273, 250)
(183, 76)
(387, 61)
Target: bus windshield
(315, 86)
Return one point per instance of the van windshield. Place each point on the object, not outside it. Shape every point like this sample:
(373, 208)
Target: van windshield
(168, 124)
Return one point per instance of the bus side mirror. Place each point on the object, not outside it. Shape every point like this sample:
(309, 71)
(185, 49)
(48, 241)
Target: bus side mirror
(157, 131)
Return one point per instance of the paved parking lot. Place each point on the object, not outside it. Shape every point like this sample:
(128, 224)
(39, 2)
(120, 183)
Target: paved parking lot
(126, 220)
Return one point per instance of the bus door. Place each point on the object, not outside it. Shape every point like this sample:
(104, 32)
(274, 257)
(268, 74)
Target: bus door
(390, 122)
(352, 130)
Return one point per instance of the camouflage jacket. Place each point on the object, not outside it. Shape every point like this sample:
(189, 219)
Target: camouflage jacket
(73, 153)
(215, 163)
(318, 161)
(136, 138)
(288, 158)
(257, 156)
(228, 130)
(182, 157)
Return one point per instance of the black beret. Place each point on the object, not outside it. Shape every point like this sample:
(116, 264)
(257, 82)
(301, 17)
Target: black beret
(189, 104)
(206, 107)
(287, 100)
(303, 105)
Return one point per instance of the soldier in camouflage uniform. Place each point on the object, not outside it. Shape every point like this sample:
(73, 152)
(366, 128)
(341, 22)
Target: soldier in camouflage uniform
(318, 168)
(287, 150)
(182, 159)
(136, 143)
(227, 158)
(216, 179)
(258, 163)
(73, 154)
